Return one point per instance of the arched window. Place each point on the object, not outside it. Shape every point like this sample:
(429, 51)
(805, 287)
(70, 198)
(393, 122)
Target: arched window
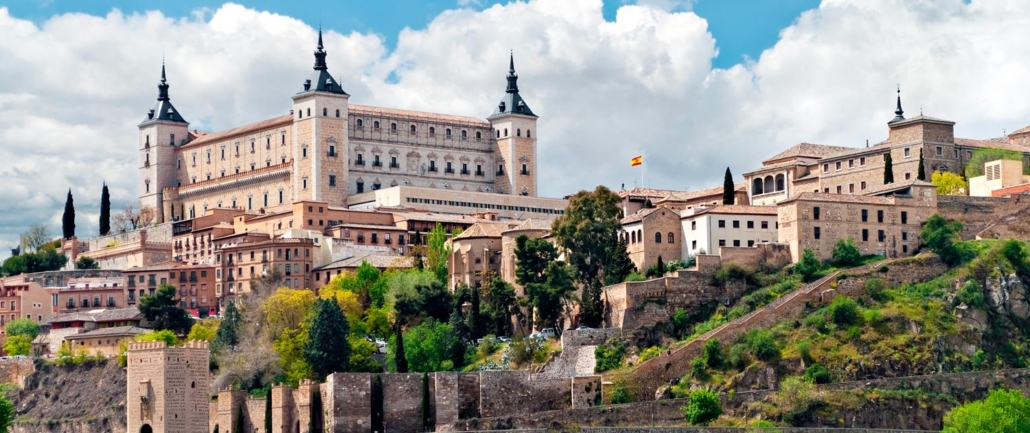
(412, 129)
(657, 237)
(756, 186)
(640, 235)
(633, 237)
(337, 112)
(518, 132)
(393, 127)
(498, 133)
(769, 186)
(479, 135)
(360, 123)
(505, 132)
(432, 131)
(375, 125)
(309, 112)
(464, 134)
(528, 135)
(447, 133)
(779, 182)
(300, 114)
(325, 112)
(672, 238)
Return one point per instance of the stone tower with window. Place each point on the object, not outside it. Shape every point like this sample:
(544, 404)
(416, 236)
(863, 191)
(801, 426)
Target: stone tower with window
(167, 387)
(320, 157)
(514, 127)
(160, 132)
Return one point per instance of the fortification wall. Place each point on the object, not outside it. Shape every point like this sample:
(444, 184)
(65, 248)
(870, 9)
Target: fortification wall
(402, 401)
(587, 337)
(768, 255)
(980, 213)
(642, 304)
(350, 395)
(16, 370)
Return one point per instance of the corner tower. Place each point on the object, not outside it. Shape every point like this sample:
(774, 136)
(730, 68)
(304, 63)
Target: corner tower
(320, 156)
(160, 132)
(514, 127)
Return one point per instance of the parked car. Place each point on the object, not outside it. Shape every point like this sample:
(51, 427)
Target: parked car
(549, 333)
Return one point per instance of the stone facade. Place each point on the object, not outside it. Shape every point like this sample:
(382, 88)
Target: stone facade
(167, 387)
(650, 234)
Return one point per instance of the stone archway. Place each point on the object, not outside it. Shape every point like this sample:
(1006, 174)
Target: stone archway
(146, 429)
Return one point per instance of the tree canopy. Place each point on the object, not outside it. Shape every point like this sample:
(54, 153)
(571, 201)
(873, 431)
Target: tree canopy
(940, 235)
(1003, 411)
(949, 183)
(163, 311)
(327, 350)
(975, 165)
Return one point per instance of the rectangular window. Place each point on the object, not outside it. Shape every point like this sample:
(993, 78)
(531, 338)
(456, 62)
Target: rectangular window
(851, 188)
(750, 244)
(332, 180)
(851, 163)
(861, 161)
(865, 235)
(826, 168)
(879, 216)
(863, 185)
(736, 224)
(908, 176)
(836, 166)
(881, 236)
(722, 223)
(736, 242)
(750, 224)
(840, 189)
(815, 212)
(904, 236)
(904, 217)
(817, 232)
(765, 224)
(940, 151)
(693, 225)
(908, 153)
(722, 242)
(826, 190)
(904, 249)
(865, 215)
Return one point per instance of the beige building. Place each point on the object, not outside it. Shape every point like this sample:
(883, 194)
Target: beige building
(27, 300)
(885, 222)
(650, 234)
(708, 230)
(635, 199)
(168, 388)
(793, 168)
(328, 149)
(476, 251)
(448, 200)
(1001, 177)
(112, 324)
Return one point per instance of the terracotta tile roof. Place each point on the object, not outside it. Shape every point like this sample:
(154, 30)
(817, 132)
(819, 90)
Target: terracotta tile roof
(996, 143)
(364, 110)
(1021, 130)
(109, 332)
(109, 315)
(737, 210)
(809, 150)
(643, 213)
(381, 261)
(204, 137)
(368, 226)
(853, 151)
(486, 230)
(682, 196)
(839, 198)
(1011, 190)
(534, 224)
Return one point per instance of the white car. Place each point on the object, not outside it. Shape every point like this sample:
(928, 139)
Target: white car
(548, 333)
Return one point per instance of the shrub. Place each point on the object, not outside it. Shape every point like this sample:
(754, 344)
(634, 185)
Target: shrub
(844, 311)
(1004, 411)
(608, 357)
(733, 272)
(817, 322)
(883, 269)
(621, 394)
(875, 287)
(816, 373)
(872, 317)
(635, 276)
(794, 396)
(713, 353)
(970, 294)
(650, 352)
(702, 407)
(805, 351)
(762, 345)
(845, 253)
(698, 368)
(939, 235)
(979, 360)
(808, 267)
(487, 347)
(525, 350)
(737, 356)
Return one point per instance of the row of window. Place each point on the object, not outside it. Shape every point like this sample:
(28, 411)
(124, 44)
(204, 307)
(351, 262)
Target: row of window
(485, 206)
(637, 236)
(816, 214)
(736, 224)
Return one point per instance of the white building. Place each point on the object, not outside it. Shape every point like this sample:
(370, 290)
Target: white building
(709, 228)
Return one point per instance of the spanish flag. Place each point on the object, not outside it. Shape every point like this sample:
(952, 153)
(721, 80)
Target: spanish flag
(636, 161)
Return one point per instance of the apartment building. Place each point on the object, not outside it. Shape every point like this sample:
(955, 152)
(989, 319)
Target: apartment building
(707, 229)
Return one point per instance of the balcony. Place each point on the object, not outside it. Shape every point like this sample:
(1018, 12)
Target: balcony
(132, 282)
(449, 171)
(71, 303)
(193, 278)
(110, 303)
(464, 172)
(395, 165)
(182, 278)
(360, 162)
(377, 164)
(152, 282)
(480, 173)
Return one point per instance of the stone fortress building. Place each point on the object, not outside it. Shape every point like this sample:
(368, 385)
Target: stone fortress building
(327, 149)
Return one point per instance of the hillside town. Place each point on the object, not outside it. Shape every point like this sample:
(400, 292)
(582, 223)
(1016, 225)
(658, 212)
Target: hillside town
(349, 268)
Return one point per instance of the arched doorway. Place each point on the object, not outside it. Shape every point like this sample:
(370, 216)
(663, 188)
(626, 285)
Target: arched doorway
(146, 429)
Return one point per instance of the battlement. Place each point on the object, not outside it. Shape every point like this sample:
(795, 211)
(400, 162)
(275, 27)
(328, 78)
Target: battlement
(147, 345)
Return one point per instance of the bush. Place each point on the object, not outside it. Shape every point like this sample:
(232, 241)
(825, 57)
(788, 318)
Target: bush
(970, 294)
(816, 322)
(702, 407)
(794, 396)
(733, 272)
(621, 394)
(883, 269)
(698, 368)
(1004, 411)
(525, 350)
(635, 276)
(809, 266)
(650, 352)
(939, 235)
(609, 357)
(979, 360)
(816, 373)
(737, 356)
(713, 353)
(805, 351)
(844, 312)
(875, 287)
(487, 347)
(845, 253)
(762, 345)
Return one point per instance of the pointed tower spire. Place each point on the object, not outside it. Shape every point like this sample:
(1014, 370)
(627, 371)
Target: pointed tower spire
(512, 102)
(162, 87)
(513, 78)
(320, 37)
(899, 113)
(320, 54)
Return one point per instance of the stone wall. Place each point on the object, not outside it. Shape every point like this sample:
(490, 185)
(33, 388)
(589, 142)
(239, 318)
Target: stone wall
(768, 255)
(350, 397)
(978, 214)
(587, 337)
(510, 392)
(16, 370)
(402, 401)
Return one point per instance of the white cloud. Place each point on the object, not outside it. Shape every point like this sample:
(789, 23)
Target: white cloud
(73, 89)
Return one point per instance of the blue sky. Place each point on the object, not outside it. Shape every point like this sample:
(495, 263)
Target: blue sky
(740, 27)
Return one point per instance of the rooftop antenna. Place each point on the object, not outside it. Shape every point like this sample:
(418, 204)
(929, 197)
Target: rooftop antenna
(867, 142)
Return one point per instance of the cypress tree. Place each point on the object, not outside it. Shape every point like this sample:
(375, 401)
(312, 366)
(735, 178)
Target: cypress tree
(474, 320)
(327, 349)
(399, 359)
(105, 211)
(461, 335)
(268, 410)
(727, 188)
(68, 220)
(227, 335)
(921, 175)
(888, 170)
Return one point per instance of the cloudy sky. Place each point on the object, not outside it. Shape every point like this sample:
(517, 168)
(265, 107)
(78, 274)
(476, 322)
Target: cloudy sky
(693, 86)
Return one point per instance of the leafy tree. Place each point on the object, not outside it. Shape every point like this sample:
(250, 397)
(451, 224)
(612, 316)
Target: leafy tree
(727, 188)
(163, 311)
(503, 306)
(461, 336)
(702, 407)
(328, 350)
(845, 253)
(167, 336)
(921, 173)
(18, 345)
(808, 267)
(6, 412)
(435, 301)
(68, 219)
(23, 326)
(1003, 411)
(37, 236)
(588, 233)
(713, 353)
(203, 330)
(888, 169)
(361, 283)
(532, 255)
(762, 344)
(105, 211)
(474, 320)
(844, 311)
(361, 355)
(427, 346)
(949, 183)
(609, 356)
(940, 235)
(619, 265)
(46, 259)
(438, 251)
(228, 332)
(86, 262)
(287, 309)
(975, 166)
(548, 299)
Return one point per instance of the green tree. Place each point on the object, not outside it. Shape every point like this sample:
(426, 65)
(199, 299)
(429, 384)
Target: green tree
(727, 188)
(427, 346)
(461, 336)
(18, 345)
(949, 183)
(327, 350)
(588, 232)
(163, 311)
(548, 299)
(845, 253)
(502, 307)
(168, 337)
(438, 251)
(888, 169)
(619, 265)
(68, 219)
(474, 319)
(532, 255)
(6, 413)
(400, 359)
(23, 326)
(203, 330)
(921, 173)
(105, 211)
(940, 235)
(975, 166)
(86, 262)
(702, 407)
(809, 266)
(228, 334)
(435, 301)
(713, 353)
(844, 311)
(1003, 411)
